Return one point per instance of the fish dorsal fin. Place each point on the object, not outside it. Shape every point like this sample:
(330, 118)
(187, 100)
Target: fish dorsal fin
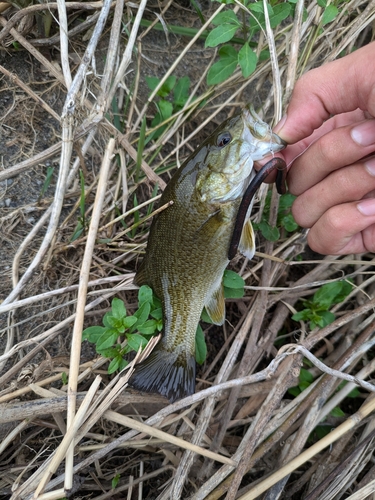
(247, 241)
(141, 275)
(215, 306)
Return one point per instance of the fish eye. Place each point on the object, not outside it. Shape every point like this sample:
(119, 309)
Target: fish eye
(223, 139)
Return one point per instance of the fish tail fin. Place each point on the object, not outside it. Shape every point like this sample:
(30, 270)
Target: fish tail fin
(170, 374)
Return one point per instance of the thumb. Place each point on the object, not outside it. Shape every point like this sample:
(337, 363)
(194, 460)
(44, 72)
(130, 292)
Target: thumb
(336, 87)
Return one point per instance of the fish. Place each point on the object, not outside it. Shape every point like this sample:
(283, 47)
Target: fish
(188, 246)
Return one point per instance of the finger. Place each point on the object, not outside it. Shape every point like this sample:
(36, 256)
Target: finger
(338, 148)
(345, 229)
(337, 121)
(325, 91)
(348, 184)
(295, 150)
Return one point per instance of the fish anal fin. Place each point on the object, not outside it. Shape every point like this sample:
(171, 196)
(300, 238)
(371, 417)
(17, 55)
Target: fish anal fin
(215, 306)
(167, 373)
(247, 241)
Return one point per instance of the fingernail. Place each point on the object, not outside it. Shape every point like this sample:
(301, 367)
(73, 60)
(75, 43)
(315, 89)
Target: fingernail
(367, 207)
(280, 125)
(364, 133)
(370, 166)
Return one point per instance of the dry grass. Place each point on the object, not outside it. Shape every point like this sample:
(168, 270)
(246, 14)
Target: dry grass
(241, 434)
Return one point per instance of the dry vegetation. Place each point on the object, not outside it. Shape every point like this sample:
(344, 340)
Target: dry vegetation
(242, 435)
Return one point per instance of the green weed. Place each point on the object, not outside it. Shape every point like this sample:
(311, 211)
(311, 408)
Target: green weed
(173, 95)
(316, 311)
(229, 24)
(122, 333)
(285, 218)
(47, 182)
(82, 222)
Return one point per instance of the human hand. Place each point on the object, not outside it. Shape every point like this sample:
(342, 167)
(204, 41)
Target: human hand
(333, 170)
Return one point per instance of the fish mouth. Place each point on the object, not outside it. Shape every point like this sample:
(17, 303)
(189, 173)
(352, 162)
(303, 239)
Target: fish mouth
(262, 132)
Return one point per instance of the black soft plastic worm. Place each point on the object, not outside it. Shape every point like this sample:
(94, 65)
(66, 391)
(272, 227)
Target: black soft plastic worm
(275, 163)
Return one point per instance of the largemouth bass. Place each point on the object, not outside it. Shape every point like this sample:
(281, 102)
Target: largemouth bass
(187, 250)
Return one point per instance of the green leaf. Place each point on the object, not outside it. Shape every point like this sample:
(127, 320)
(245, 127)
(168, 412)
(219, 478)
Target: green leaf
(322, 431)
(165, 111)
(135, 341)
(326, 318)
(93, 333)
(232, 279)
(115, 481)
(181, 92)
(149, 327)
(152, 82)
(106, 317)
(286, 201)
(205, 317)
(303, 315)
(337, 412)
(346, 288)
(303, 385)
(294, 391)
(144, 294)
(111, 352)
(233, 293)
(305, 376)
(354, 393)
(114, 364)
(329, 14)
(228, 52)
(228, 16)
(200, 346)
(322, 3)
(116, 323)
(289, 223)
(221, 34)
(280, 12)
(220, 71)
(129, 321)
(270, 233)
(257, 7)
(118, 308)
(165, 89)
(325, 296)
(157, 313)
(264, 55)
(167, 86)
(247, 60)
(141, 314)
(107, 339)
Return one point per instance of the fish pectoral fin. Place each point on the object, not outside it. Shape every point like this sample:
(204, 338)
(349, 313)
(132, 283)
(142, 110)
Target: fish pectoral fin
(167, 373)
(215, 306)
(247, 241)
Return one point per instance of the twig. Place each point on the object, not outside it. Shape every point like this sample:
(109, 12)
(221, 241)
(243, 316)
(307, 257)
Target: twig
(68, 438)
(294, 51)
(64, 42)
(335, 434)
(126, 58)
(151, 431)
(81, 301)
(277, 93)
